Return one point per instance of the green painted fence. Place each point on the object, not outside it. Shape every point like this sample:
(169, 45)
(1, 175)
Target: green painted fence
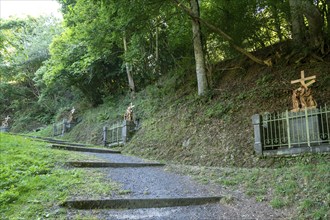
(118, 132)
(292, 132)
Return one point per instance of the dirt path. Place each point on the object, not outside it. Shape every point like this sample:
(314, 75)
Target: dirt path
(156, 182)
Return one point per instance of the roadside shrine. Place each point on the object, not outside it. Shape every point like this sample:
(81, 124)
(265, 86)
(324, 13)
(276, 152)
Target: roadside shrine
(305, 128)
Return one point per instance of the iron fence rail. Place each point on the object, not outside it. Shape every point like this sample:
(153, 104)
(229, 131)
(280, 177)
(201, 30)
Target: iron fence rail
(58, 129)
(61, 128)
(310, 127)
(118, 132)
(112, 134)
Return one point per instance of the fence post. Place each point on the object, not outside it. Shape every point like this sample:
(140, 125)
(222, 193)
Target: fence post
(117, 131)
(307, 128)
(54, 129)
(64, 127)
(124, 132)
(258, 136)
(327, 121)
(288, 127)
(105, 131)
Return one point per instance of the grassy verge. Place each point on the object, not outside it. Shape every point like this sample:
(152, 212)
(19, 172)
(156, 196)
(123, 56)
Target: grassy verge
(304, 187)
(33, 181)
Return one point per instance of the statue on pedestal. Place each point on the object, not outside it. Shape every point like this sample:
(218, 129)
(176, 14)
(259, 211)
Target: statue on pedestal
(5, 123)
(128, 116)
(71, 118)
(302, 97)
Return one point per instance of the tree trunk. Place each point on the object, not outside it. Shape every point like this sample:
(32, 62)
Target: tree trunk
(198, 50)
(315, 23)
(157, 67)
(223, 34)
(157, 45)
(277, 22)
(328, 17)
(299, 9)
(128, 70)
(297, 22)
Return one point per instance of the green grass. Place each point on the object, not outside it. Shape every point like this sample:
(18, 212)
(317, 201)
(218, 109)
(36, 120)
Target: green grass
(33, 181)
(302, 186)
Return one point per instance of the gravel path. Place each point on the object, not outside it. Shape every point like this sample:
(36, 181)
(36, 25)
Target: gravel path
(149, 182)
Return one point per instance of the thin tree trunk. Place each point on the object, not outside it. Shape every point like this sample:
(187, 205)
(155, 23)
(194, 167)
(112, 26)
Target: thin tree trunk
(223, 34)
(315, 23)
(299, 9)
(297, 22)
(128, 70)
(157, 67)
(198, 50)
(328, 16)
(157, 46)
(277, 22)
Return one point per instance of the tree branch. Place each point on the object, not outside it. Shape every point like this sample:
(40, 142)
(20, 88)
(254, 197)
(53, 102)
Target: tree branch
(222, 33)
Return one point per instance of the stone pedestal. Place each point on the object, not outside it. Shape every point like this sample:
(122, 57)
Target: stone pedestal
(127, 130)
(4, 129)
(304, 127)
(256, 121)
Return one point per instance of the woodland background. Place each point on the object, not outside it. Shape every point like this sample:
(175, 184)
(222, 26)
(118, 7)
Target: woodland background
(196, 72)
(109, 48)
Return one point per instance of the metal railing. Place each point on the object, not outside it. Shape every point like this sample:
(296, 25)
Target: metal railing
(113, 133)
(58, 129)
(118, 132)
(61, 128)
(4, 129)
(309, 127)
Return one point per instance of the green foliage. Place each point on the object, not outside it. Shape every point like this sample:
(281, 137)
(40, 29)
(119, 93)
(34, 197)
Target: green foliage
(26, 46)
(24, 49)
(85, 55)
(87, 59)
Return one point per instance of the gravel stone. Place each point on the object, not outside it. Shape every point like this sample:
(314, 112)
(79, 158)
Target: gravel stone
(156, 182)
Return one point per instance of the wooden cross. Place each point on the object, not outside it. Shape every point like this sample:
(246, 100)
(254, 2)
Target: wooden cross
(303, 80)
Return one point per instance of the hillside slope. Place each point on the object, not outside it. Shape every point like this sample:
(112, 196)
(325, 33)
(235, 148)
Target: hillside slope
(215, 130)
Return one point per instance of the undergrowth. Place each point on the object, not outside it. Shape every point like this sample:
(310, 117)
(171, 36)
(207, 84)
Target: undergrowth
(213, 130)
(33, 181)
(302, 187)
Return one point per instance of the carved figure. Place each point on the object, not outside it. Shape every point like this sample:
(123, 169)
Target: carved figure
(128, 116)
(71, 116)
(302, 97)
(295, 99)
(5, 122)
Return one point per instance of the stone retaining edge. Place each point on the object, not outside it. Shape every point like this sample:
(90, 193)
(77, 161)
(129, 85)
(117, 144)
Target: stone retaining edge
(139, 203)
(114, 165)
(84, 149)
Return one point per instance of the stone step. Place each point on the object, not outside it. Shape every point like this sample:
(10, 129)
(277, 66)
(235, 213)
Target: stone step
(139, 203)
(42, 138)
(65, 143)
(113, 165)
(55, 141)
(84, 149)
